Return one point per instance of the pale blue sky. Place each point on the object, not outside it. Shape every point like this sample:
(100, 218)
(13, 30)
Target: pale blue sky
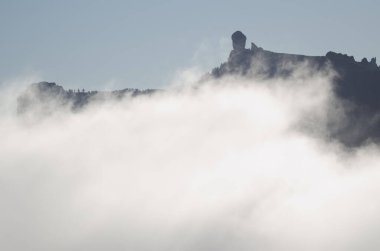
(91, 43)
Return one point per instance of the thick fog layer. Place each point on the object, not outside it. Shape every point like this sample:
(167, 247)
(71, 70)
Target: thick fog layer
(229, 165)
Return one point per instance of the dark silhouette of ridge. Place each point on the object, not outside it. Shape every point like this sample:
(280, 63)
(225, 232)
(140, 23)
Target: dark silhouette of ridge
(47, 95)
(357, 84)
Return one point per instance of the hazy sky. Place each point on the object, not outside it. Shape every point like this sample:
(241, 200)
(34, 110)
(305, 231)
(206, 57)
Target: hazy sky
(116, 44)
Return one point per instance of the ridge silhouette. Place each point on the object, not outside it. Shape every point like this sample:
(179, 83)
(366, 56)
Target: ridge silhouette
(357, 84)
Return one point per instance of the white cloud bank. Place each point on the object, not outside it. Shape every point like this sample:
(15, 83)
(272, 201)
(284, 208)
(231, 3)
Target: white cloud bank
(236, 165)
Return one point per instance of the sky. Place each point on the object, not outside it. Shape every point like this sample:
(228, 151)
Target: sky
(144, 44)
(233, 164)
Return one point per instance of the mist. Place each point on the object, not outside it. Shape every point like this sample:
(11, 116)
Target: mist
(232, 164)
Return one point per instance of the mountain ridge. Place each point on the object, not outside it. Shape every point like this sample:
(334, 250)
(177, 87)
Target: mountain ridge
(356, 84)
(356, 81)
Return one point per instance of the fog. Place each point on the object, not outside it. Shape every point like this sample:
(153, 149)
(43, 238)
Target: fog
(232, 164)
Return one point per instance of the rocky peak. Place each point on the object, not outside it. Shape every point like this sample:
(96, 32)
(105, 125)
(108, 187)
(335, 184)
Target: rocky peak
(238, 40)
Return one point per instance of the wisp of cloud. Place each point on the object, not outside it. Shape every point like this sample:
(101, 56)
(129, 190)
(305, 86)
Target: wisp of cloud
(232, 164)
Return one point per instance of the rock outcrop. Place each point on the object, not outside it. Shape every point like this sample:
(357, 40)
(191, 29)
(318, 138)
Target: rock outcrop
(356, 83)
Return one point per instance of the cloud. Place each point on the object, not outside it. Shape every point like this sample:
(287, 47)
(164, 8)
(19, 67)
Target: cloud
(233, 164)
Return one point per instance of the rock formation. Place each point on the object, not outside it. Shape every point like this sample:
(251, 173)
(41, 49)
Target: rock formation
(240, 57)
(357, 83)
